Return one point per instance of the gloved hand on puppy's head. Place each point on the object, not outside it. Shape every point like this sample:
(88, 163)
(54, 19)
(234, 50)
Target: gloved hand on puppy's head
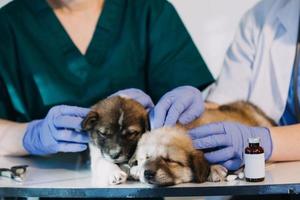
(182, 104)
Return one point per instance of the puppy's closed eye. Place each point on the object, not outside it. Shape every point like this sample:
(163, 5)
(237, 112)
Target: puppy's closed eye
(102, 132)
(133, 132)
(134, 129)
(173, 161)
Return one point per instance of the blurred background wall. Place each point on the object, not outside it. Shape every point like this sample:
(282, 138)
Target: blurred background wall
(211, 23)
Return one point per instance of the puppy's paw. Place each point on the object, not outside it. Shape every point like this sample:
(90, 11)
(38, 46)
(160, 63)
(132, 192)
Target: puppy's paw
(106, 173)
(117, 177)
(217, 173)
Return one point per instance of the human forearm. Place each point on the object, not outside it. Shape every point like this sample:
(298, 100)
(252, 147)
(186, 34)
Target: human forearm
(286, 143)
(11, 138)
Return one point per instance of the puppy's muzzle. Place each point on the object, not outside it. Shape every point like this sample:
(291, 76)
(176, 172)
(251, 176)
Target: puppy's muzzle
(115, 155)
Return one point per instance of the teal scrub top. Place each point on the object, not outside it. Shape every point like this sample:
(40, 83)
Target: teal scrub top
(137, 44)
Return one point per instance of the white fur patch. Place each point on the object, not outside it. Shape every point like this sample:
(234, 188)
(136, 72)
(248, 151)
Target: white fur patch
(104, 172)
(121, 118)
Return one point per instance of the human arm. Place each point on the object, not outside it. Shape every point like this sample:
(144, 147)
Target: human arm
(286, 143)
(11, 138)
(11, 133)
(59, 131)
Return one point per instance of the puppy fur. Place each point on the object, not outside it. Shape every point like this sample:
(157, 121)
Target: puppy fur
(115, 125)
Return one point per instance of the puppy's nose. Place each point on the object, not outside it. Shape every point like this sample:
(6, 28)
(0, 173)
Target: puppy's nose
(115, 155)
(115, 152)
(149, 174)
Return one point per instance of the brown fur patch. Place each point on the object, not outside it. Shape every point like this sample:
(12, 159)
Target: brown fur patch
(239, 111)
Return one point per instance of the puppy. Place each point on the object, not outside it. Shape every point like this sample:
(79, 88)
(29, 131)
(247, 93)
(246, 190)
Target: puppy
(166, 156)
(115, 125)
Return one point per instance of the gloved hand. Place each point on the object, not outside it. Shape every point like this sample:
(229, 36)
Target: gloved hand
(231, 139)
(136, 94)
(182, 104)
(58, 132)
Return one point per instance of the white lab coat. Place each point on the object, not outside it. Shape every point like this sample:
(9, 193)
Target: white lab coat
(258, 65)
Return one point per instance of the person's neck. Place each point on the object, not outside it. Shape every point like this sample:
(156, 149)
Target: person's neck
(69, 6)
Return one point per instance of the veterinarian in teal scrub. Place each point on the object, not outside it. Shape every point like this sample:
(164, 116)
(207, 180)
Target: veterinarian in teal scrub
(58, 54)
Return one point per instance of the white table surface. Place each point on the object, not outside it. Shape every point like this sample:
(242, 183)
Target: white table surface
(64, 176)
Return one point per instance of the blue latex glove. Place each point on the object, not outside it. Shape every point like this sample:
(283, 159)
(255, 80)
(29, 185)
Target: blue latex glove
(182, 104)
(231, 139)
(58, 132)
(137, 95)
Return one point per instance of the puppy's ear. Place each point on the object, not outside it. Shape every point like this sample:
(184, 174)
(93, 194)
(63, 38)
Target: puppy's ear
(90, 121)
(199, 166)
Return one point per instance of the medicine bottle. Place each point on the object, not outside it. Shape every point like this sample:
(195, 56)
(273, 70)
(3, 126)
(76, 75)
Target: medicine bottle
(254, 161)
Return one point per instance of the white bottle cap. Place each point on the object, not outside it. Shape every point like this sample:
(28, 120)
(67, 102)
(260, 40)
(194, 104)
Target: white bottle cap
(253, 140)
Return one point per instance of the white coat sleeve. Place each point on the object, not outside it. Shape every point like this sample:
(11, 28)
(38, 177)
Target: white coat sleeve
(235, 78)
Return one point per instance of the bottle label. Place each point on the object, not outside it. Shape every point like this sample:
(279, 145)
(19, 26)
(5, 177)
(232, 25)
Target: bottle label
(254, 165)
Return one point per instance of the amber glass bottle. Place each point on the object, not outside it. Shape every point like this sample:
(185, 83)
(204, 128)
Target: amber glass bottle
(254, 161)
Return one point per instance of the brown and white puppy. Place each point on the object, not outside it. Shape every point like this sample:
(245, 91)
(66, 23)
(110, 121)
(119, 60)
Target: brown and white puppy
(166, 155)
(115, 125)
